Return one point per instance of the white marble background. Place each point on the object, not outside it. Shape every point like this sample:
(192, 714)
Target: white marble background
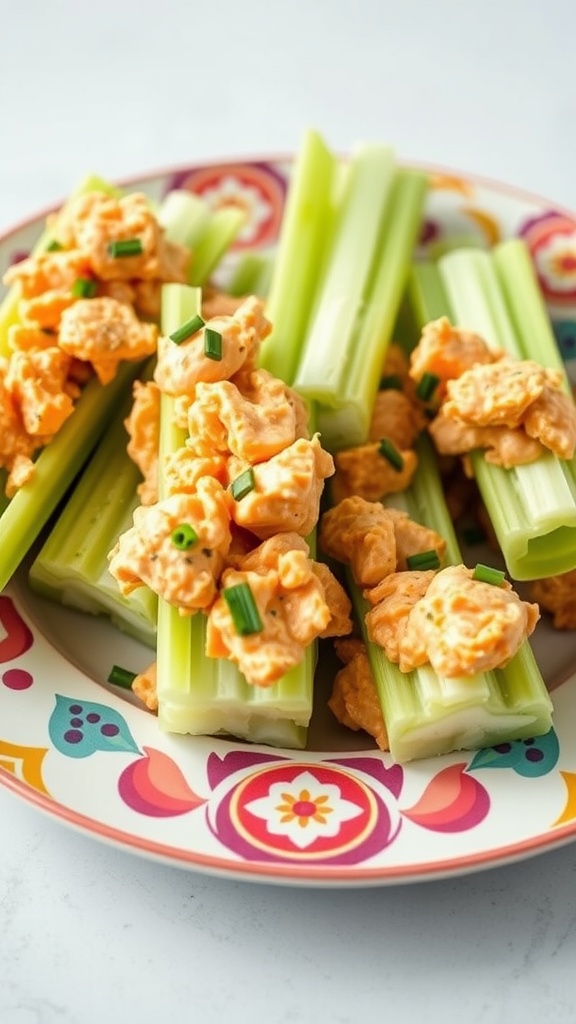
(88, 933)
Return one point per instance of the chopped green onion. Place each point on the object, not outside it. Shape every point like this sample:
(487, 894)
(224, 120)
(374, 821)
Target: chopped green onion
(184, 537)
(125, 247)
(187, 330)
(84, 288)
(243, 484)
(391, 383)
(121, 677)
(54, 246)
(243, 609)
(486, 574)
(212, 344)
(427, 386)
(389, 450)
(423, 560)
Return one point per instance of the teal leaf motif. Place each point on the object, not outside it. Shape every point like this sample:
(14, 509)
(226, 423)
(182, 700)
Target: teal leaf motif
(78, 728)
(531, 758)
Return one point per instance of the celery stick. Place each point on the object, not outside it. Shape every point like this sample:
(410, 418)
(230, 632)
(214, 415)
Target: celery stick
(252, 275)
(532, 507)
(215, 699)
(224, 226)
(72, 565)
(426, 714)
(306, 228)
(184, 216)
(56, 467)
(348, 422)
(325, 360)
(526, 305)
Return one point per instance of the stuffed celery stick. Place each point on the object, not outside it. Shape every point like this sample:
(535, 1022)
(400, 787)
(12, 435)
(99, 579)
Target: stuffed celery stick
(72, 565)
(201, 695)
(427, 714)
(532, 506)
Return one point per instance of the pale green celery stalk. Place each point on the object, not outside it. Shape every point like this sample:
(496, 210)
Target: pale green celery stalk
(427, 714)
(200, 695)
(526, 305)
(307, 226)
(223, 228)
(184, 216)
(532, 507)
(252, 275)
(344, 419)
(72, 565)
(9, 306)
(56, 468)
(327, 349)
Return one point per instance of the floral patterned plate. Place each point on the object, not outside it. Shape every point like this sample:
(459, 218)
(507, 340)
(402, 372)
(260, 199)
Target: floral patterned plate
(340, 813)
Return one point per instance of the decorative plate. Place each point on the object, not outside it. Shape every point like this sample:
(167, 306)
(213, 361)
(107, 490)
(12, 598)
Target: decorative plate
(340, 813)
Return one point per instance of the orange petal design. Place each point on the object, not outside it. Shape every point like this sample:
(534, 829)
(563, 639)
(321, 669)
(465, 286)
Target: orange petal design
(569, 812)
(25, 763)
(486, 222)
(154, 785)
(451, 182)
(452, 802)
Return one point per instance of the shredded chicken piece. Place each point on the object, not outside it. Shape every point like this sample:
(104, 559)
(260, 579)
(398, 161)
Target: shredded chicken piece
(396, 417)
(253, 423)
(104, 332)
(463, 626)
(287, 489)
(354, 700)
(393, 600)
(503, 446)
(181, 367)
(557, 595)
(144, 686)
(366, 472)
(498, 394)
(94, 220)
(36, 380)
(448, 351)
(291, 603)
(148, 553)
(361, 534)
(143, 426)
(183, 469)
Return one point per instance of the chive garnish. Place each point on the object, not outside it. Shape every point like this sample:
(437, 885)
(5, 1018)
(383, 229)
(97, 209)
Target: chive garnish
(125, 247)
(486, 574)
(423, 560)
(121, 677)
(427, 386)
(243, 609)
(84, 288)
(392, 382)
(54, 246)
(243, 484)
(184, 537)
(390, 452)
(187, 330)
(212, 344)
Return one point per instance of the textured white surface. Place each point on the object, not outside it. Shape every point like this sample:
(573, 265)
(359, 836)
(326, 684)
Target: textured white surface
(89, 933)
